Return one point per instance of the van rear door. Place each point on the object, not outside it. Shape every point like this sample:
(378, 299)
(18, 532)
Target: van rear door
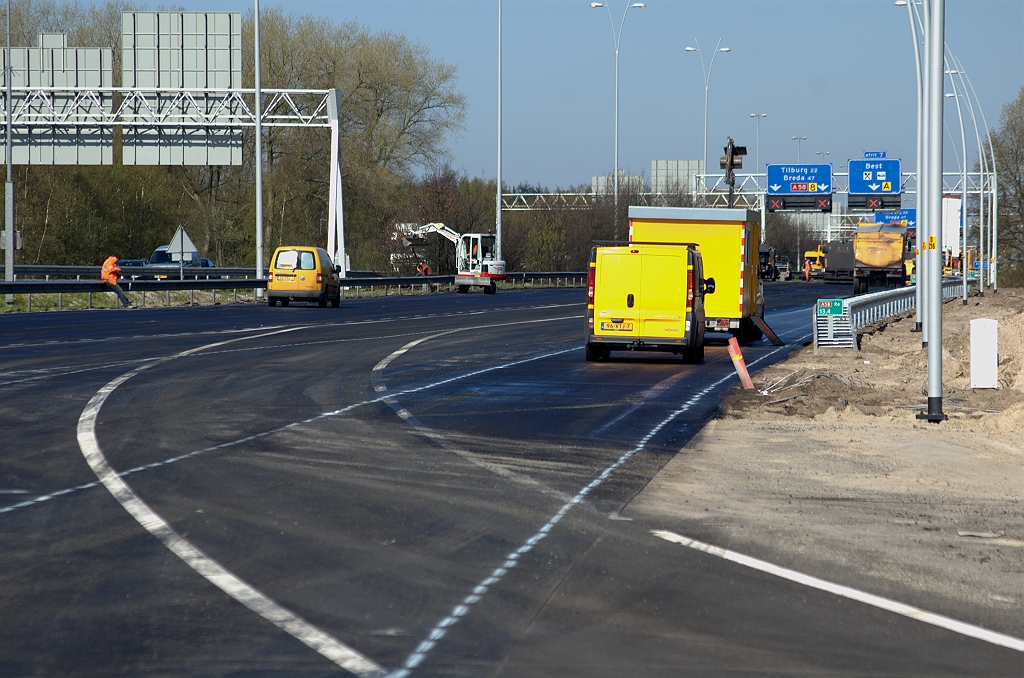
(617, 292)
(663, 292)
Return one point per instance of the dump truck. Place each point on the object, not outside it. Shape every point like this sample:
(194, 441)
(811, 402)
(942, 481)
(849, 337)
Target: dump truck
(839, 262)
(646, 297)
(879, 251)
(728, 241)
(766, 266)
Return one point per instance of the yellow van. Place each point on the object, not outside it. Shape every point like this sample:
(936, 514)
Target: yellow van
(646, 297)
(303, 274)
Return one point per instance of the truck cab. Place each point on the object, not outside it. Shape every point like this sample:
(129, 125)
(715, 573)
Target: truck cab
(646, 297)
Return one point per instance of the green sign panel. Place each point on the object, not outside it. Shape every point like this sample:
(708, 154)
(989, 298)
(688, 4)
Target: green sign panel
(830, 306)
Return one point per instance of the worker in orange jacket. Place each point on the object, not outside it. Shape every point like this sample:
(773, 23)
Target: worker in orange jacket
(110, 274)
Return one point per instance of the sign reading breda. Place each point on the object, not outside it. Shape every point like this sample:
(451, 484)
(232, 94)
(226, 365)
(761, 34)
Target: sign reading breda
(799, 187)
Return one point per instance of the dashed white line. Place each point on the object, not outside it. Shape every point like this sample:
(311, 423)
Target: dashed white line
(917, 613)
(439, 631)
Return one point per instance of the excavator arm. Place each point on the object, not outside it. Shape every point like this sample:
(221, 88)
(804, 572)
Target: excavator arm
(438, 228)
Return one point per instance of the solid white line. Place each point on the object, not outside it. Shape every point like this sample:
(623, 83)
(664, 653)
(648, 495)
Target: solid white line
(214, 572)
(917, 613)
(285, 427)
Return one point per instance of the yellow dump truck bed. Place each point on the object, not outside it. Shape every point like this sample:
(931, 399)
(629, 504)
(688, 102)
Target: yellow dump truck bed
(878, 246)
(728, 240)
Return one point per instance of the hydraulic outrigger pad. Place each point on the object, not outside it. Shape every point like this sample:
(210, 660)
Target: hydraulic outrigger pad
(774, 338)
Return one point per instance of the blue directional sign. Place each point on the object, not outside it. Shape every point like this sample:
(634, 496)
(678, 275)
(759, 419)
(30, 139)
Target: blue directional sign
(909, 216)
(800, 179)
(875, 177)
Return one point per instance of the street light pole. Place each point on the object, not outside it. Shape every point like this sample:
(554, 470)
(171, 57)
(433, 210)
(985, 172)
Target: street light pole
(963, 184)
(918, 268)
(934, 47)
(993, 272)
(707, 83)
(9, 234)
(497, 213)
(798, 140)
(617, 40)
(757, 148)
(982, 171)
(259, 150)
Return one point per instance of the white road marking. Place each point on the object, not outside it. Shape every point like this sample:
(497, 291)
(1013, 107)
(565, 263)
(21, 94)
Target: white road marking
(443, 441)
(917, 613)
(511, 560)
(214, 572)
(263, 434)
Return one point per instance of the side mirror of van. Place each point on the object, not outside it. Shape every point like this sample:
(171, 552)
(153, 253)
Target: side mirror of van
(337, 269)
(709, 286)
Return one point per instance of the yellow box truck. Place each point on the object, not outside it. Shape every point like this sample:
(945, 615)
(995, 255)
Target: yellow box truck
(728, 239)
(646, 297)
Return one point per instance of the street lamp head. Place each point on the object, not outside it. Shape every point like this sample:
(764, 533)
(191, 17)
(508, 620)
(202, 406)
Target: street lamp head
(638, 4)
(950, 95)
(725, 49)
(800, 138)
(900, 3)
(690, 49)
(597, 4)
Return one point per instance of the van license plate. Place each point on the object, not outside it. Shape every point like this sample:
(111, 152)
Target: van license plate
(617, 327)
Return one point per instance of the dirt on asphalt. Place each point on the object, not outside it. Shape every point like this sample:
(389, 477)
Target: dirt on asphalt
(825, 468)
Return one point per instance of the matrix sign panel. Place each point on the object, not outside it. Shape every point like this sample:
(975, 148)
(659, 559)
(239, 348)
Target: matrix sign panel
(799, 179)
(192, 50)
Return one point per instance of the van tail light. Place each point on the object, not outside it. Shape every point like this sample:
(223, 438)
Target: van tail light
(689, 287)
(270, 276)
(319, 278)
(590, 285)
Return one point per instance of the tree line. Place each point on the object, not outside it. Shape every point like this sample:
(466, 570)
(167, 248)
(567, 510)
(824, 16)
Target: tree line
(399, 106)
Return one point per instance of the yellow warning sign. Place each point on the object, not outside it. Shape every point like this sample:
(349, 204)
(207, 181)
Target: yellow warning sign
(931, 242)
(886, 185)
(812, 188)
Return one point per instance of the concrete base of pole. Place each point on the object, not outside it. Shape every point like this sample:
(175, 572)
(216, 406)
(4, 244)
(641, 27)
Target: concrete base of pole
(934, 413)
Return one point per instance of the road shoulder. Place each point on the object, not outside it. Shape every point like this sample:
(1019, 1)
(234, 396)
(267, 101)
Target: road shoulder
(827, 471)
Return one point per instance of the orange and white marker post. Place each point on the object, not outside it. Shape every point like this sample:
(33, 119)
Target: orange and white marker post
(737, 361)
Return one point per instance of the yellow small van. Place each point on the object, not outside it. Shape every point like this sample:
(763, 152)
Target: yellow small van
(303, 274)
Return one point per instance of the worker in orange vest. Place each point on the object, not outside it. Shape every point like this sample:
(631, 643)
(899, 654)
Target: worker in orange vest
(110, 274)
(807, 269)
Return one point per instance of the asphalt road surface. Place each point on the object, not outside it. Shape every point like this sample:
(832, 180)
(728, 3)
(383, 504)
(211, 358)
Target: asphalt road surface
(424, 486)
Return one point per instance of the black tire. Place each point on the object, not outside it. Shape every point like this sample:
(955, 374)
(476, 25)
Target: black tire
(462, 289)
(336, 301)
(284, 302)
(696, 355)
(592, 352)
(322, 301)
(271, 301)
(491, 289)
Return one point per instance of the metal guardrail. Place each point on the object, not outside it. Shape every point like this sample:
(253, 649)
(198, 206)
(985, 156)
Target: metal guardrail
(840, 331)
(93, 286)
(24, 270)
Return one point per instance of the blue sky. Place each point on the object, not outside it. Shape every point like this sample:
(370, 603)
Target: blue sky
(839, 72)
